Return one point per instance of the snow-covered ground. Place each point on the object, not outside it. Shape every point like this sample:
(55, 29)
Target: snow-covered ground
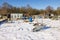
(19, 30)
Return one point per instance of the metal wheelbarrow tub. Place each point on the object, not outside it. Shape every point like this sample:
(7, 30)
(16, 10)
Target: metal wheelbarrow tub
(40, 27)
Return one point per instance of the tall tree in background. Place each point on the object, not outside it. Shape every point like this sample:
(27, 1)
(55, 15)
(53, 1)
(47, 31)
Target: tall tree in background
(6, 8)
(6, 5)
(31, 11)
(58, 11)
(49, 9)
(23, 10)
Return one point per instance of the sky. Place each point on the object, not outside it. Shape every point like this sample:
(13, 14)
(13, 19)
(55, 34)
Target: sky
(38, 4)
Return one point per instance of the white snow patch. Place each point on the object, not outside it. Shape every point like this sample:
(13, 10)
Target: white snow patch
(23, 31)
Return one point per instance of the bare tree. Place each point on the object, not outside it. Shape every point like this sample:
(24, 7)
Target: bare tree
(49, 9)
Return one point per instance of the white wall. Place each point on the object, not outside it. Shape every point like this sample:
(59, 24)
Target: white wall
(15, 16)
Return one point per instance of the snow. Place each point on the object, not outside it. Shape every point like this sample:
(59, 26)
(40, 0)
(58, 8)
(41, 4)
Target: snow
(20, 30)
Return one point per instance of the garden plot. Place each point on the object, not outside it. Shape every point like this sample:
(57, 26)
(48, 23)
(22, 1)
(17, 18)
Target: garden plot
(23, 31)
